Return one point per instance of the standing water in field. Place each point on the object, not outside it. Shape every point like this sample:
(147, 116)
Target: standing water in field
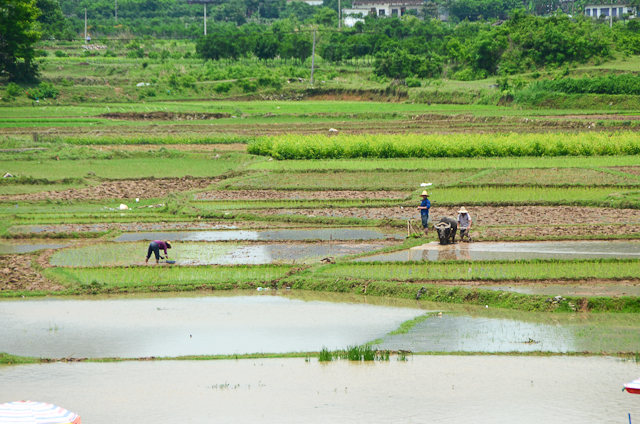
(136, 326)
(203, 253)
(424, 389)
(486, 251)
(296, 234)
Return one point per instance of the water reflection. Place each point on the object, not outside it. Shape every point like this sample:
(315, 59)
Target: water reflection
(173, 326)
(433, 389)
(514, 251)
(301, 234)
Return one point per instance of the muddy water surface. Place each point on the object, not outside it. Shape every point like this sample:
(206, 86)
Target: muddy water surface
(134, 326)
(513, 251)
(426, 389)
(475, 329)
(301, 234)
(11, 248)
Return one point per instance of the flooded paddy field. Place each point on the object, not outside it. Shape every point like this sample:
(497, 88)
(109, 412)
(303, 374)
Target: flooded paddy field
(435, 389)
(203, 253)
(499, 330)
(278, 234)
(12, 247)
(132, 326)
(513, 251)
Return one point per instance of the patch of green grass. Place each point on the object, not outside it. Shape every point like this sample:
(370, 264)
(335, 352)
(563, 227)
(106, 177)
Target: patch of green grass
(118, 169)
(7, 359)
(408, 325)
(553, 176)
(539, 269)
(365, 180)
(431, 164)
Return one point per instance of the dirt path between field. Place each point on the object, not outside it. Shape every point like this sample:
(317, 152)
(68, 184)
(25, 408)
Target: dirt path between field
(594, 117)
(298, 194)
(145, 226)
(567, 232)
(125, 189)
(16, 273)
(485, 215)
(163, 116)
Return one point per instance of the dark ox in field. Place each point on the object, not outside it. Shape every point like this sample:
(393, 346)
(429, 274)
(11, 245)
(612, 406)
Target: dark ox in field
(447, 228)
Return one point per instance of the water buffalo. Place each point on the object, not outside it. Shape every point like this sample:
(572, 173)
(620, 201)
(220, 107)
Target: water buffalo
(447, 228)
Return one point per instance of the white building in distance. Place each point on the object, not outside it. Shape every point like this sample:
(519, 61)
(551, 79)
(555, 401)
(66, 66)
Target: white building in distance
(614, 10)
(379, 8)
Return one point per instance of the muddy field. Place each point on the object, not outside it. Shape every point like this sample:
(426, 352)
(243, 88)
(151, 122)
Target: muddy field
(143, 226)
(125, 189)
(635, 170)
(16, 273)
(164, 116)
(298, 194)
(485, 215)
(556, 231)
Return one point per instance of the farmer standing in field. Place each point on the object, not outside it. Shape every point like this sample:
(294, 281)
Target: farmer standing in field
(464, 224)
(155, 247)
(424, 211)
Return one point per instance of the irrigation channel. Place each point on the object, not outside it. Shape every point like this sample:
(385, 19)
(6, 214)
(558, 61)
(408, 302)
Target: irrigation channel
(434, 389)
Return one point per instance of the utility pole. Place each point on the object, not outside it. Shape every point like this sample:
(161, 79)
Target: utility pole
(339, 15)
(313, 55)
(85, 25)
(116, 11)
(610, 18)
(205, 19)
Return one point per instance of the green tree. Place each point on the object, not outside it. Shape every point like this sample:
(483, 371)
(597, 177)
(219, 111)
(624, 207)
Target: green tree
(18, 33)
(52, 21)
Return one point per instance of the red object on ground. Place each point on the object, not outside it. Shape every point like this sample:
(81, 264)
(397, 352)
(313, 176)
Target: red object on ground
(633, 387)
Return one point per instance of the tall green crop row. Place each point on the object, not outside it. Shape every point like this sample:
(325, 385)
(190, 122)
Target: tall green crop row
(317, 146)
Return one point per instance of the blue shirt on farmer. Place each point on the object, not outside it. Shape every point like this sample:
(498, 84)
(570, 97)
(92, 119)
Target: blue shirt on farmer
(425, 203)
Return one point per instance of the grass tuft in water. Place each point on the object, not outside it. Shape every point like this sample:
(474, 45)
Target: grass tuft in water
(325, 355)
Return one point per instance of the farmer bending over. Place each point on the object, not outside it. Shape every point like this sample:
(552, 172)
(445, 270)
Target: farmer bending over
(424, 212)
(464, 224)
(155, 247)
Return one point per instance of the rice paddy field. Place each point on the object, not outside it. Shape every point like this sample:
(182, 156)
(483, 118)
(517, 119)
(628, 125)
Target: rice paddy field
(295, 236)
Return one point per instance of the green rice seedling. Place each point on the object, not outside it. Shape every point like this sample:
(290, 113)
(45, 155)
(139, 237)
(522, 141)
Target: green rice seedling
(410, 145)
(535, 269)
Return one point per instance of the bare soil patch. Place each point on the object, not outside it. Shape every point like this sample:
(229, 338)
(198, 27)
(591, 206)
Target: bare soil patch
(595, 117)
(298, 194)
(486, 215)
(144, 227)
(16, 273)
(125, 189)
(635, 170)
(164, 116)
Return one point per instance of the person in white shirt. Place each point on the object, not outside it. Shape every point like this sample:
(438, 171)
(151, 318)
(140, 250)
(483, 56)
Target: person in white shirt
(464, 224)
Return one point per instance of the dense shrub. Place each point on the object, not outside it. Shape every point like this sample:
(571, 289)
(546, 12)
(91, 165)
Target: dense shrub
(611, 84)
